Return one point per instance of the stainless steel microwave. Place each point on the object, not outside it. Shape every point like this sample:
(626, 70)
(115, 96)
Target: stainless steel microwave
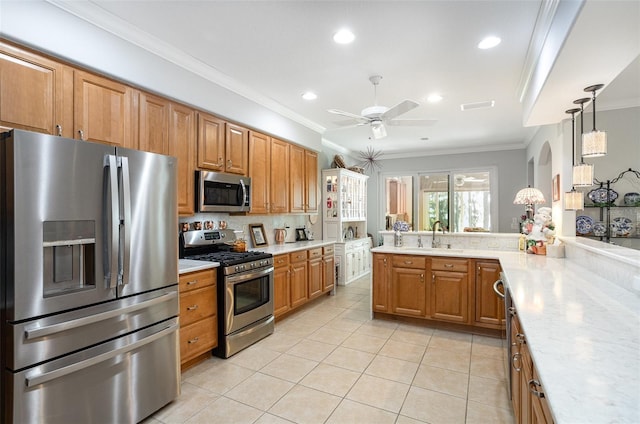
(218, 192)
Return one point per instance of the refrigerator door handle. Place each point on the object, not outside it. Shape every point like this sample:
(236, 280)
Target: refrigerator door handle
(110, 193)
(35, 378)
(35, 332)
(125, 224)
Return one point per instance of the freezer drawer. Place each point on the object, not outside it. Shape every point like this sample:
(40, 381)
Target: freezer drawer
(121, 381)
(46, 338)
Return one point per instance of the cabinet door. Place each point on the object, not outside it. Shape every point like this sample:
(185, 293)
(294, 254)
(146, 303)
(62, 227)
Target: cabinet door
(315, 278)
(449, 296)
(298, 284)
(489, 306)
(281, 282)
(380, 294)
(259, 166)
(153, 122)
(328, 273)
(279, 188)
(311, 181)
(236, 149)
(182, 145)
(408, 292)
(211, 143)
(102, 110)
(36, 94)
(296, 179)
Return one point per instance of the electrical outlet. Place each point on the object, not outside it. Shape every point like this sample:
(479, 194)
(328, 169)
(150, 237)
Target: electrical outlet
(514, 223)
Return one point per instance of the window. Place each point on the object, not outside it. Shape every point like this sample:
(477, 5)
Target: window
(460, 200)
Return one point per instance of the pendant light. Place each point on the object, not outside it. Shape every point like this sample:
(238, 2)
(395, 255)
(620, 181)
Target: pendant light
(594, 143)
(573, 200)
(582, 175)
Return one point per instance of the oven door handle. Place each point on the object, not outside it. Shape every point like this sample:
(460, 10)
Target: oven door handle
(246, 276)
(36, 378)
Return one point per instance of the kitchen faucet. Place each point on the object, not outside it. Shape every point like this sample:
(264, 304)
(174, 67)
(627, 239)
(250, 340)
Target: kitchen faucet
(433, 238)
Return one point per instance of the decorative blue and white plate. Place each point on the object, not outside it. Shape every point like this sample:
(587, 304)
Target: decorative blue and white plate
(602, 196)
(621, 226)
(599, 229)
(584, 224)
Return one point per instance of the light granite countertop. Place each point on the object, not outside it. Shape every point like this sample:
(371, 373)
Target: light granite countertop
(279, 249)
(583, 332)
(188, 265)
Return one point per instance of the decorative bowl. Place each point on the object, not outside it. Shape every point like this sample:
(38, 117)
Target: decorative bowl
(632, 199)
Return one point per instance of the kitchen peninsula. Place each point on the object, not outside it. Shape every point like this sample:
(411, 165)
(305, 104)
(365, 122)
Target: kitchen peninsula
(580, 315)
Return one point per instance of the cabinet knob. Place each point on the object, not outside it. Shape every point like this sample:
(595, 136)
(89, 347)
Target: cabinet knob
(448, 265)
(408, 262)
(194, 340)
(59, 130)
(191, 283)
(512, 311)
(81, 134)
(433, 277)
(220, 162)
(192, 307)
(516, 358)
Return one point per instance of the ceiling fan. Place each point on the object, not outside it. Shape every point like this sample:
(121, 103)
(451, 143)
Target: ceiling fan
(379, 116)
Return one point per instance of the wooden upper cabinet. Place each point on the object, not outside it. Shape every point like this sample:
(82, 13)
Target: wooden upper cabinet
(211, 144)
(182, 142)
(153, 123)
(296, 179)
(279, 184)
(259, 166)
(36, 94)
(236, 149)
(311, 181)
(102, 110)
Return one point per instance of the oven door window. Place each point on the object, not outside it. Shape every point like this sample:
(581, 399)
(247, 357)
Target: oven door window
(250, 294)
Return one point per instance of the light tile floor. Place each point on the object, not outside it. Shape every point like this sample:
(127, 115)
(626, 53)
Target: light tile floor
(330, 363)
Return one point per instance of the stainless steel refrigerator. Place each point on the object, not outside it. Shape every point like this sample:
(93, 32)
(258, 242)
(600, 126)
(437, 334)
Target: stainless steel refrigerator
(89, 275)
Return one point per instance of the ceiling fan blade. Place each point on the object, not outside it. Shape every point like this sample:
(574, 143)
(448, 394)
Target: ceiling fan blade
(349, 123)
(348, 114)
(397, 110)
(412, 122)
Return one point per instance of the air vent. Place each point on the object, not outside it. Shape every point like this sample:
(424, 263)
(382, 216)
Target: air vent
(477, 105)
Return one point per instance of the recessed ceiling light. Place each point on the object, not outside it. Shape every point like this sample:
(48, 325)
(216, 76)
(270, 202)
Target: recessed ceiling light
(309, 95)
(434, 98)
(489, 42)
(344, 36)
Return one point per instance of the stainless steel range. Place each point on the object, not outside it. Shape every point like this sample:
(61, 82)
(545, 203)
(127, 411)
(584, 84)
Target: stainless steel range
(245, 288)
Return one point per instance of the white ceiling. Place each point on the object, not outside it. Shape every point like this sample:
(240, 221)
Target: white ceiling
(273, 51)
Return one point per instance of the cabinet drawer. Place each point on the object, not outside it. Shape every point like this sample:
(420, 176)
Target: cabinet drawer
(281, 261)
(298, 256)
(197, 304)
(315, 253)
(197, 280)
(407, 261)
(198, 337)
(449, 264)
(328, 250)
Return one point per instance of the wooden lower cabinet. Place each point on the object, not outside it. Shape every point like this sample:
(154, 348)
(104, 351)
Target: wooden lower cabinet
(438, 288)
(450, 289)
(489, 307)
(299, 287)
(198, 316)
(528, 399)
(382, 277)
(315, 272)
(281, 285)
(408, 286)
(301, 276)
(328, 269)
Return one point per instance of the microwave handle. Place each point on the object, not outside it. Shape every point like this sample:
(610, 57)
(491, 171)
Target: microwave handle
(244, 193)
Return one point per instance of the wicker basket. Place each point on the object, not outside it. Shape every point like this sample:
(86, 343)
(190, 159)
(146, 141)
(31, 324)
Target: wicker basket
(339, 161)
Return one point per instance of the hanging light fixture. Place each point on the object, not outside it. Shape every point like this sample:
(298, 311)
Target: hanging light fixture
(582, 175)
(594, 143)
(529, 196)
(573, 200)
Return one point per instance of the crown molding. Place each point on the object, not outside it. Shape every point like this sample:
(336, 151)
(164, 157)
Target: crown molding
(106, 21)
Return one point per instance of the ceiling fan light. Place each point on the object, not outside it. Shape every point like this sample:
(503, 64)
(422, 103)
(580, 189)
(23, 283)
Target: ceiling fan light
(582, 175)
(378, 130)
